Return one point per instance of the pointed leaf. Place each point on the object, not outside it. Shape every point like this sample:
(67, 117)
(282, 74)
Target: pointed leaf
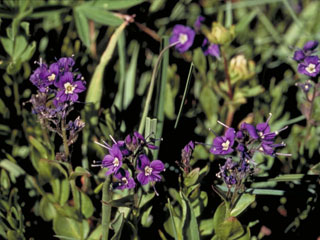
(245, 200)
(189, 221)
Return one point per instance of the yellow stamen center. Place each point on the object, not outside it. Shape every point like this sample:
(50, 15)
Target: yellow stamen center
(311, 68)
(52, 77)
(183, 38)
(69, 88)
(124, 181)
(115, 162)
(225, 145)
(147, 171)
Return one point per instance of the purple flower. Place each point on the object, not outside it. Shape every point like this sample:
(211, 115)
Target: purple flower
(228, 172)
(310, 66)
(184, 35)
(306, 86)
(298, 55)
(186, 156)
(68, 89)
(210, 49)
(39, 78)
(197, 24)
(113, 161)
(143, 142)
(149, 171)
(59, 68)
(126, 181)
(223, 145)
(310, 45)
(269, 148)
(308, 50)
(250, 129)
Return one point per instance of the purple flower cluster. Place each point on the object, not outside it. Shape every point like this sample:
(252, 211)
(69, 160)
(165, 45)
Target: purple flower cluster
(131, 152)
(59, 79)
(185, 37)
(186, 154)
(308, 63)
(246, 141)
(58, 89)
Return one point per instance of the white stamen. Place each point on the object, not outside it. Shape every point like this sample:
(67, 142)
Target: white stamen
(52, 77)
(225, 145)
(147, 171)
(183, 38)
(124, 180)
(69, 88)
(116, 162)
(311, 68)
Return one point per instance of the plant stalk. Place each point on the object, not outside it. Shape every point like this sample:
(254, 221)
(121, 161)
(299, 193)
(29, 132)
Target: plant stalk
(151, 87)
(106, 209)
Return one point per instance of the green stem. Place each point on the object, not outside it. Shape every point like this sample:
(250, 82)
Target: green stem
(16, 97)
(106, 209)
(74, 190)
(64, 138)
(151, 87)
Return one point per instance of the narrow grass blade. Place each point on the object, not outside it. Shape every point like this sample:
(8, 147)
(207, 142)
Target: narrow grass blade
(184, 95)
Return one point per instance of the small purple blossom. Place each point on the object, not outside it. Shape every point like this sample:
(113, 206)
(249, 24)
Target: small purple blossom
(310, 45)
(298, 55)
(186, 153)
(126, 181)
(149, 171)
(210, 49)
(39, 78)
(250, 129)
(69, 89)
(310, 66)
(184, 35)
(223, 145)
(197, 24)
(307, 51)
(228, 172)
(113, 161)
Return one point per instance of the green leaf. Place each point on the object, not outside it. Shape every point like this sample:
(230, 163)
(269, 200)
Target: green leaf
(100, 15)
(129, 84)
(69, 227)
(209, 102)
(192, 177)
(4, 179)
(173, 224)
(316, 168)
(245, 200)
(46, 209)
(82, 26)
(230, 229)
(117, 4)
(206, 227)
(96, 234)
(95, 88)
(19, 47)
(87, 207)
(117, 226)
(79, 171)
(200, 61)
(189, 221)
(7, 45)
(219, 215)
(126, 201)
(41, 149)
(55, 185)
(13, 169)
(151, 127)
(28, 53)
(65, 192)
(146, 198)
(146, 220)
(25, 26)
